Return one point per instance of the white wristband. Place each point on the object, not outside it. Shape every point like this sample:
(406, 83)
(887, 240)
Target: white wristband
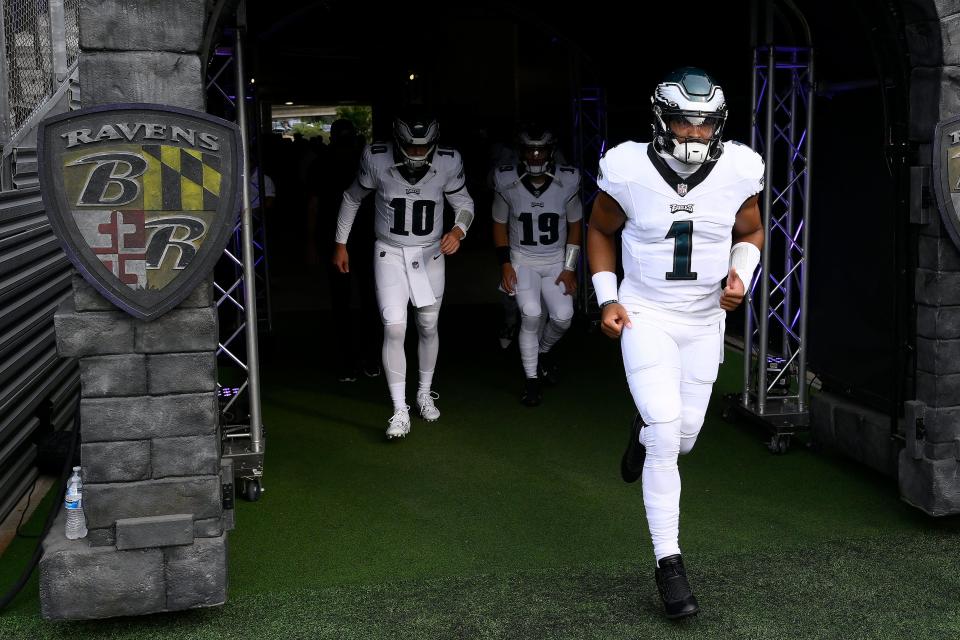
(571, 257)
(744, 257)
(463, 220)
(605, 286)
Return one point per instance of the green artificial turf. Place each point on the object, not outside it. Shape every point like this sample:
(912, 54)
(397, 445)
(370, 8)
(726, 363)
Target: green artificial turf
(501, 521)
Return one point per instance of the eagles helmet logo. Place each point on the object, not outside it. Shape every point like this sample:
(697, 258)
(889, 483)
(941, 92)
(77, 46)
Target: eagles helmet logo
(946, 174)
(142, 197)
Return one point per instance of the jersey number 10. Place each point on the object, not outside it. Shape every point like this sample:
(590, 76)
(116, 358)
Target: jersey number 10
(422, 213)
(682, 233)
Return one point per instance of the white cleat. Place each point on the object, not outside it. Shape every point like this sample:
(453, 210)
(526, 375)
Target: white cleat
(428, 410)
(399, 423)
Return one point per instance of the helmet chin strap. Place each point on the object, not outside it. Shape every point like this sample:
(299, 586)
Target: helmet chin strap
(542, 174)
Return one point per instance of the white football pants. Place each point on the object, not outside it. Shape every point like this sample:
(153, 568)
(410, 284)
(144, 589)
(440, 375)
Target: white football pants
(393, 296)
(533, 283)
(671, 368)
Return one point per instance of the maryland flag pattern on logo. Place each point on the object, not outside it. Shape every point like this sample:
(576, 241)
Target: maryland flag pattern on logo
(179, 179)
(145, 199)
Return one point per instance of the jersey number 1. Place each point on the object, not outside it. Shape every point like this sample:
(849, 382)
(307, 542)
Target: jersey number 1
(422, 211)
(682, 233)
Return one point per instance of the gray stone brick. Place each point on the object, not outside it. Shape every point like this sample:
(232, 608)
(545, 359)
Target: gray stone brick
(938, 390)
(101, 537)
(189, 456)
(197, 573)
(210, 527)
(821, 419)
(938, 322)
(934, 96)
(106, 503)
(938, 356)
(950, 35)
(133, 25)
(942, 450)
(92, 333)
(154, 531)
(937, 288)
(180, 330)
(935, 228)
(921, 10)
(119, 461)
(182, 372)
(78, 581)
(940, 424)
(925, 43)
(119, 375)
(141, 417)
(86, 298)
(857, 431)
(201, 296)
(930, 485)
(141, 76)
(938, 254)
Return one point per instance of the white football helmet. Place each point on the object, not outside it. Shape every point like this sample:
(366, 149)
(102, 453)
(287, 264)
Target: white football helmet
(414, 127)
(537, 148)
(690, 96)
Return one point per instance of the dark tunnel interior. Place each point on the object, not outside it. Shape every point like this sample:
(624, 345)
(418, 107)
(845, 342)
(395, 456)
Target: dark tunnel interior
(484, 67)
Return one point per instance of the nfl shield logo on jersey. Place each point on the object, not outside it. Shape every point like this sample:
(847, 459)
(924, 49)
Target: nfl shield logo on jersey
(142, 197)
(946, 178)
(682, 189)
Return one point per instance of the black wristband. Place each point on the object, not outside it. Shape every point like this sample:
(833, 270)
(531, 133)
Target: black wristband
(503, 255)
(603, 304)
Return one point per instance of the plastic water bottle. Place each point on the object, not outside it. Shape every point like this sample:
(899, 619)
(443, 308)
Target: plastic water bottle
(73, 503)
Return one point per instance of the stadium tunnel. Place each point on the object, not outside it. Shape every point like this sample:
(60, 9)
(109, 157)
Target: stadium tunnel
(485, 68)
(882, 83)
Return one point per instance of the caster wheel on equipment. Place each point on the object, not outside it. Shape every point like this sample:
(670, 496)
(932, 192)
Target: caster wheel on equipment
(252, 490)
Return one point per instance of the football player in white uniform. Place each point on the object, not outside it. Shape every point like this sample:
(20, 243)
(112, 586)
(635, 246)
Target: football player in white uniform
(688, 206)
(411, 176)
(536, 230)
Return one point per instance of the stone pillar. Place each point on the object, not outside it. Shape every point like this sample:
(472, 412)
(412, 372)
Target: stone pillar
(929, 465)
(150, 448)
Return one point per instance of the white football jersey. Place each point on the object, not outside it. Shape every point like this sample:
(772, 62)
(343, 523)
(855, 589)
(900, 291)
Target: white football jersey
(677, 238)
(538, 218)
(411, 213)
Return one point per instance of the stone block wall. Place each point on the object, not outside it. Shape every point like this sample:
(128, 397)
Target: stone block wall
(150, 450)
(150, 456)
(929, 465)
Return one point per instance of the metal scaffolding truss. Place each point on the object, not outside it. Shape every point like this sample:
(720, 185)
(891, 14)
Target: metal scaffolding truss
(589, 144)
(775, 331)
(241, 275)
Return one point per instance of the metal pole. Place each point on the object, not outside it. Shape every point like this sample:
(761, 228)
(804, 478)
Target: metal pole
(748, 308)
(249, 277)
(786, 351)
(6, 80)
(263, 212)
(765, 258)
(804, 280)
(58, 41)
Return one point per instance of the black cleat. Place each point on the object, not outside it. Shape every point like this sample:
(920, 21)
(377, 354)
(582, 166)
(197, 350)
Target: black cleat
(675, 591)
(547, 369)
(631, 465)
(531, 393)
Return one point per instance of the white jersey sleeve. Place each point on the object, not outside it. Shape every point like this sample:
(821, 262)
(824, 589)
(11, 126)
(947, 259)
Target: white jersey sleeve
(455, 187)
(367, 173)
(748, 165)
